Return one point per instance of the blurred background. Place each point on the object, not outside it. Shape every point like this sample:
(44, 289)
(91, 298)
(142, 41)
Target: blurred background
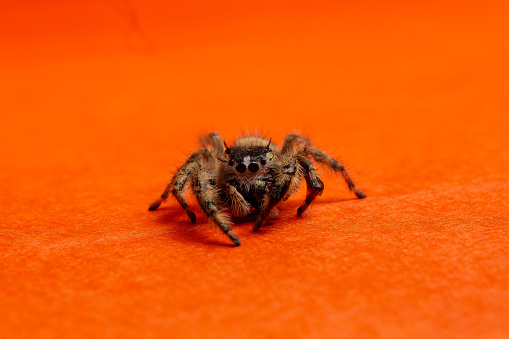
(79, 81)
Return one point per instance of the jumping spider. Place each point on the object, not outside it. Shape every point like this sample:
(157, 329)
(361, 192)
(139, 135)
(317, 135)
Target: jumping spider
(250, 177)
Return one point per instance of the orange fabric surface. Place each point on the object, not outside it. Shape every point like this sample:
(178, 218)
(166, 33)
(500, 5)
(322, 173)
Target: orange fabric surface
(102, 100)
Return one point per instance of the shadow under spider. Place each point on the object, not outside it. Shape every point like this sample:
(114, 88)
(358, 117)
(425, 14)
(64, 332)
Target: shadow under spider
(183, 230)
(332, 200)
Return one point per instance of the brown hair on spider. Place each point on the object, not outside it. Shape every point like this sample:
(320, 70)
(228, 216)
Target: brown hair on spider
(249, 178)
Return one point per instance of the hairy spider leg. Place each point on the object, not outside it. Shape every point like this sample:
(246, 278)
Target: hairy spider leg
(294, 141)
(334, 165)
(314, 184)
(278, 190)
(207, 196)
(214, 141)
(239, 206)
(178, 183)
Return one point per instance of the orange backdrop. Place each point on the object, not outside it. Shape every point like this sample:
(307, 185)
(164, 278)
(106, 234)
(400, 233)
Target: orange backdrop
(101, 100)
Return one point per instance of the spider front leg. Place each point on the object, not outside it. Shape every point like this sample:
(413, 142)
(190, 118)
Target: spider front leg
(289, 173)
(206, 194)
(239, 206)
(314, 184)
(178, 183)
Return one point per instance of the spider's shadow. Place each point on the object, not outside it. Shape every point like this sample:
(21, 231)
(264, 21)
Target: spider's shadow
(181, 229)
(332, 200)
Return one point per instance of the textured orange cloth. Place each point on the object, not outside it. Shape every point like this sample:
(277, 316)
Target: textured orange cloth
(102, 100)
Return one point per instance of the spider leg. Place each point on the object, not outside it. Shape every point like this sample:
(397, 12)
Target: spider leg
(334, 165)
(240, 207)
(214, 141)
(278, 191)
(314, 184)
(207, 196)
(293, 141)
(178, 183)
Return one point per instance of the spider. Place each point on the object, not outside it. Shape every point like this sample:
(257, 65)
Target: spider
(250, 177)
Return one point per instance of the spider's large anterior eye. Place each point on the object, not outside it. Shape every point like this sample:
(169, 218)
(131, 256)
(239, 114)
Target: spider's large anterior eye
(230, 162)
(253, 167)
(241, 168)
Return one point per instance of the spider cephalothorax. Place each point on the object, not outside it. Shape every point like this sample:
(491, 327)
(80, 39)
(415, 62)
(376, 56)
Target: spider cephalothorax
(250, 178)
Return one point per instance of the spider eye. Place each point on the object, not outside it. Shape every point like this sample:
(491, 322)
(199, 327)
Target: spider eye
(253, 167)
(230, 162)
(263, 161)
(241, 168)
